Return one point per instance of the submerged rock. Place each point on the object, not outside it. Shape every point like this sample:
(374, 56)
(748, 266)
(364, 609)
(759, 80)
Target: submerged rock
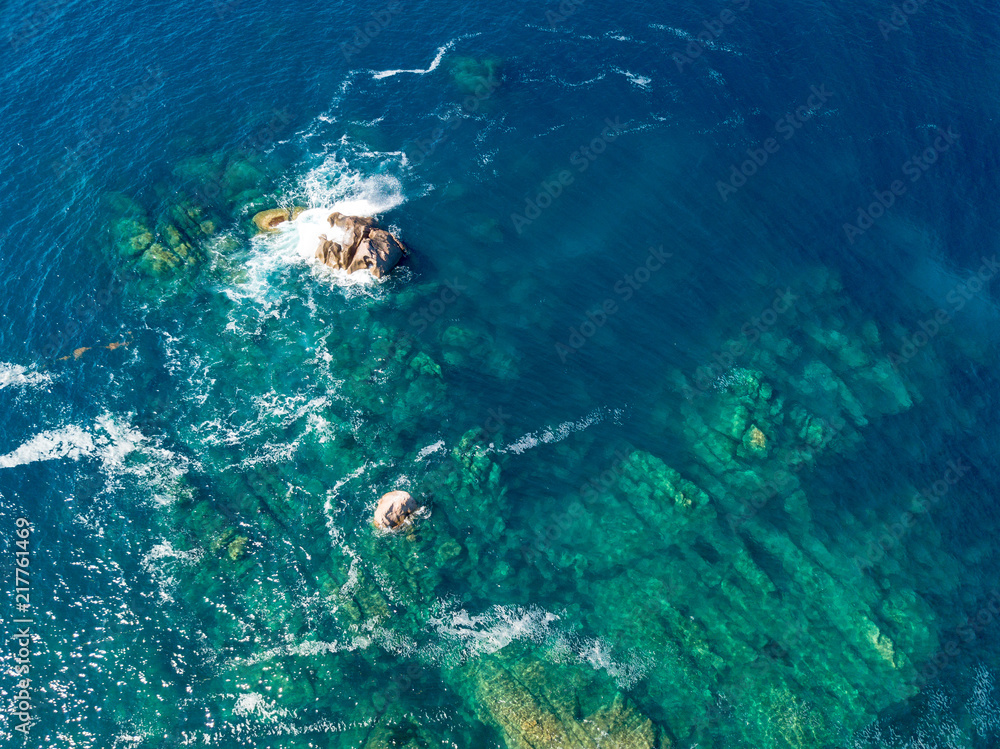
(538, 704)
(365, 246)
(272, 218)
(163, 247)
(393, 508)
(478, 77)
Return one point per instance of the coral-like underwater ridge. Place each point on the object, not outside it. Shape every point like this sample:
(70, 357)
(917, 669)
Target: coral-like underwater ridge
(756, 619)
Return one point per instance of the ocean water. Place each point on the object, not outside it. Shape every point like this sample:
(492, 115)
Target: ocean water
(692, 369)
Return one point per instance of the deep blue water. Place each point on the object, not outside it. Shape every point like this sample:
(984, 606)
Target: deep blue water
(615, 225)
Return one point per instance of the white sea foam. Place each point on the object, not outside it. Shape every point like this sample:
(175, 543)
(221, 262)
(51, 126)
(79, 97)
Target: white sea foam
(626, 673)
(272, 411)
(110, 440)
(332, 186)
(679, 33)
(71, 442)
(14, 375)
(490, 631)
(557, 433)
(634, 78)
(429, 450)
(166, 550)
(462, 636)
(434, 64)
(700, 41)
(257, 705)
(307, 649)
(161, 563)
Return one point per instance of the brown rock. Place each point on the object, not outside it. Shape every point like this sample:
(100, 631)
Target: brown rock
(347, 223)
(393, 508)
(270, 219)
(329, 252)
(379, 253)
(365, 247)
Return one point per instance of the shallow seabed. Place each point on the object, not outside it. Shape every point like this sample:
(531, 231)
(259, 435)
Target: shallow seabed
(691, 370)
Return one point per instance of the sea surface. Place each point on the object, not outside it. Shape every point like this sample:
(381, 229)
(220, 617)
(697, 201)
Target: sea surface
(692, 368)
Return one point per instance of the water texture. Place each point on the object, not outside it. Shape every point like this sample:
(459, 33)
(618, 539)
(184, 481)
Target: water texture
(691, 370)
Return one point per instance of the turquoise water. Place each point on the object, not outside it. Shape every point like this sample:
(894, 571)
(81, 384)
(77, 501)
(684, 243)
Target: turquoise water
(690, 368)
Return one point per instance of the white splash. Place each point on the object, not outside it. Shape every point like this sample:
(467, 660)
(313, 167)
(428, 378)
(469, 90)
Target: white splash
(307, 649)
(635, 79)
(71, 442)
(258, 705)
(161, 563)
(330, 186)
(110, 440)
(14, 375)
(626, 673)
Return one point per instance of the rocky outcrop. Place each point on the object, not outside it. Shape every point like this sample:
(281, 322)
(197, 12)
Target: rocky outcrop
(271, 219)
(363, 246)
(393, 508)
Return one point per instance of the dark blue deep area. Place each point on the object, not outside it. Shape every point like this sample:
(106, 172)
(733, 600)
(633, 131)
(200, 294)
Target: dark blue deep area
(646, 124)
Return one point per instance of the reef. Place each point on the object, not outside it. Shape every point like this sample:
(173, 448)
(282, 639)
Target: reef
(476, 76)
(712, 559)
(167, 247)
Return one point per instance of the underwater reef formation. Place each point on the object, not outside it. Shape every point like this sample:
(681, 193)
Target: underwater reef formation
(759, 611)
(474, 76)
(167, 248)
(557, 706)
(722, 566)
(363, 246)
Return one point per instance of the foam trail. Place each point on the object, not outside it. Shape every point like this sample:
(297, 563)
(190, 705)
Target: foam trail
(14, 375)
(107, 439)
(110, 441)
(429, 450)
(556, 434)
(434, 64)
(69, 442)
(470, 636)
(635, 79)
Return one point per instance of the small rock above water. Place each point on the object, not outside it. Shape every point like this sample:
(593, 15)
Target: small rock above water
(393, 508)
(271, 219)
(364, 246)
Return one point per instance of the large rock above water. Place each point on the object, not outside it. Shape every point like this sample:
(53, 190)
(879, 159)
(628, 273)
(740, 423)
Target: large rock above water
(393, 509)
(364, 246)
